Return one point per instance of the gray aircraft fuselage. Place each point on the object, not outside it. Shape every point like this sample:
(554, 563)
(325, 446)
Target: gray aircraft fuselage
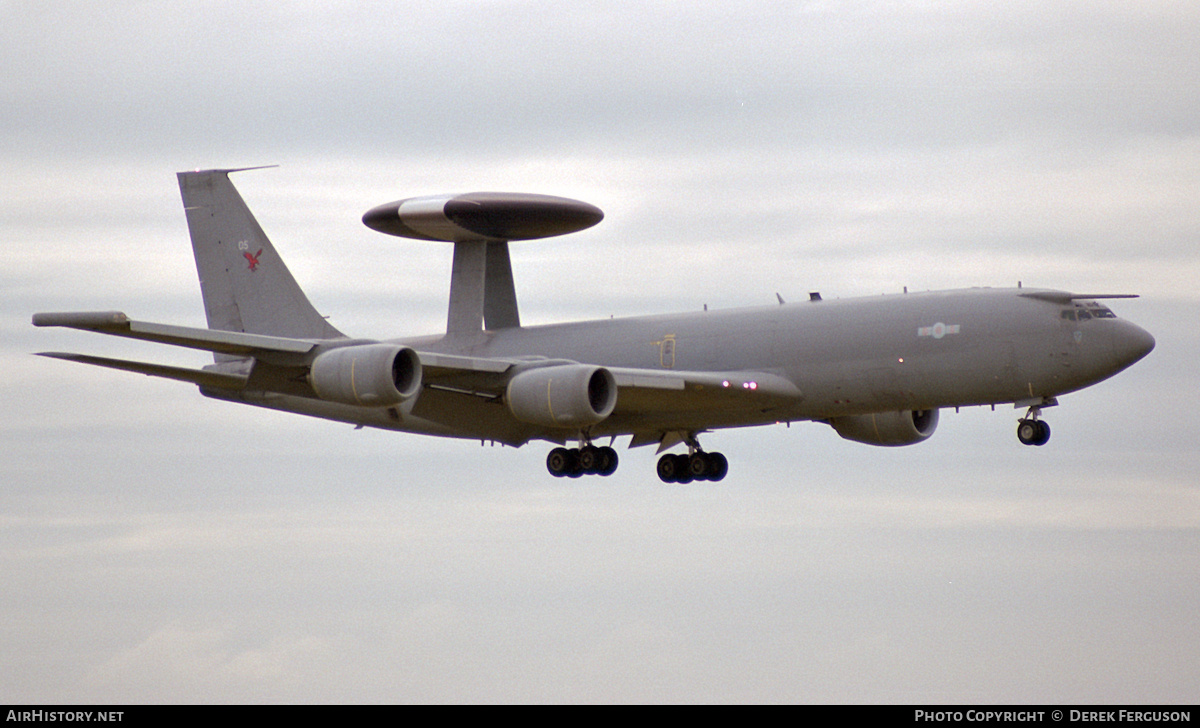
(910, 351)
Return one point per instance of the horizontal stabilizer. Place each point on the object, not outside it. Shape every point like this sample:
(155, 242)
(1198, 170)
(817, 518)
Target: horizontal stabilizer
(203, 378)
(235, 169)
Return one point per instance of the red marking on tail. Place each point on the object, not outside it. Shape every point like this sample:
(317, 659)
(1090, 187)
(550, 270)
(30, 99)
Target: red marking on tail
(253, 259)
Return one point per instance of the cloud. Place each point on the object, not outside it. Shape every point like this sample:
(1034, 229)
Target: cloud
(162, 547)
(208, 664)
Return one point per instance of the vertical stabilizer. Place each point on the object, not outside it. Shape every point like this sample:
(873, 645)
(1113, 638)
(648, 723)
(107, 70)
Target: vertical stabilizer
(245, 284)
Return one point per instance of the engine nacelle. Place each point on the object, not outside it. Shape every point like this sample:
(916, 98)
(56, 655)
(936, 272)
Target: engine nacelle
(888, 429)
(367, 375)
(568, 395)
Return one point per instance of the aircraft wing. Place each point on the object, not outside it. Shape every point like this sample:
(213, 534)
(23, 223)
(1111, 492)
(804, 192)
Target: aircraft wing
(648, 400)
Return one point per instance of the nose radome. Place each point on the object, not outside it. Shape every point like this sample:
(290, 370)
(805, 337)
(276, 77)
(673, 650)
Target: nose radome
(1131, 343)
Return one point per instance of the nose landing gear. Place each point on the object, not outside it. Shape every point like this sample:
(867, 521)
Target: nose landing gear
(1033, 432)
(1031, 429)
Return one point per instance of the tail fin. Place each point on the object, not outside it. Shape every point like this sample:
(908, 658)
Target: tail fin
(246, 286)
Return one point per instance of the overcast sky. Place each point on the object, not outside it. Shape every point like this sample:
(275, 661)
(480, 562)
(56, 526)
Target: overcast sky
(156, 546)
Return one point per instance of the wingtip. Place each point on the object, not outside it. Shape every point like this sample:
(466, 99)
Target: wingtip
(65, 356)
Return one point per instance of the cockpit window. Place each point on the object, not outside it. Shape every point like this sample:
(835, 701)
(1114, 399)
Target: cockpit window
(1086, 311)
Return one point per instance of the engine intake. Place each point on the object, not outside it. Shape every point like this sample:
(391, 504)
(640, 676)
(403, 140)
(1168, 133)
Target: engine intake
(888, 429)
(367, 375)
(568, 395)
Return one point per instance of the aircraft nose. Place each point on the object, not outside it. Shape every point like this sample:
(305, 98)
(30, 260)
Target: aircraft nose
(1131, 343)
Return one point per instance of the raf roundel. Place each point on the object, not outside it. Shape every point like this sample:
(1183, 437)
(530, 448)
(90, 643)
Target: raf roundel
(938, 330)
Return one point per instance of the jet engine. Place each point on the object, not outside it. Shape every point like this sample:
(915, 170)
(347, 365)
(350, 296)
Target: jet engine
(568, 395)
(888, 429)
(368, 375)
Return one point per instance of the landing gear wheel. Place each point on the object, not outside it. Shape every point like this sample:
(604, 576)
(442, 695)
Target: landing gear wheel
(683, 473)
(670, 468)
(710, 466)
(561, 462)
(609, 460)
(1043, 434)
(1033, 432)
(718, 467)
(590, 459)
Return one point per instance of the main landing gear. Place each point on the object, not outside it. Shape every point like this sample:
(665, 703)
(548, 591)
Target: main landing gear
(699, 465)
(1031, 430)
(577, 461)
(588, 459)
(696, 465)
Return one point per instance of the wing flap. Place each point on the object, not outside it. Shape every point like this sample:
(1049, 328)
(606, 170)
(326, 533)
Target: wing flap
(666, 408)
(639, 390)
(650, 391)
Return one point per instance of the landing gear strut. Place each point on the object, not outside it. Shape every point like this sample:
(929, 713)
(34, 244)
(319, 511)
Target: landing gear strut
(1031, 430)
(696, 465)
